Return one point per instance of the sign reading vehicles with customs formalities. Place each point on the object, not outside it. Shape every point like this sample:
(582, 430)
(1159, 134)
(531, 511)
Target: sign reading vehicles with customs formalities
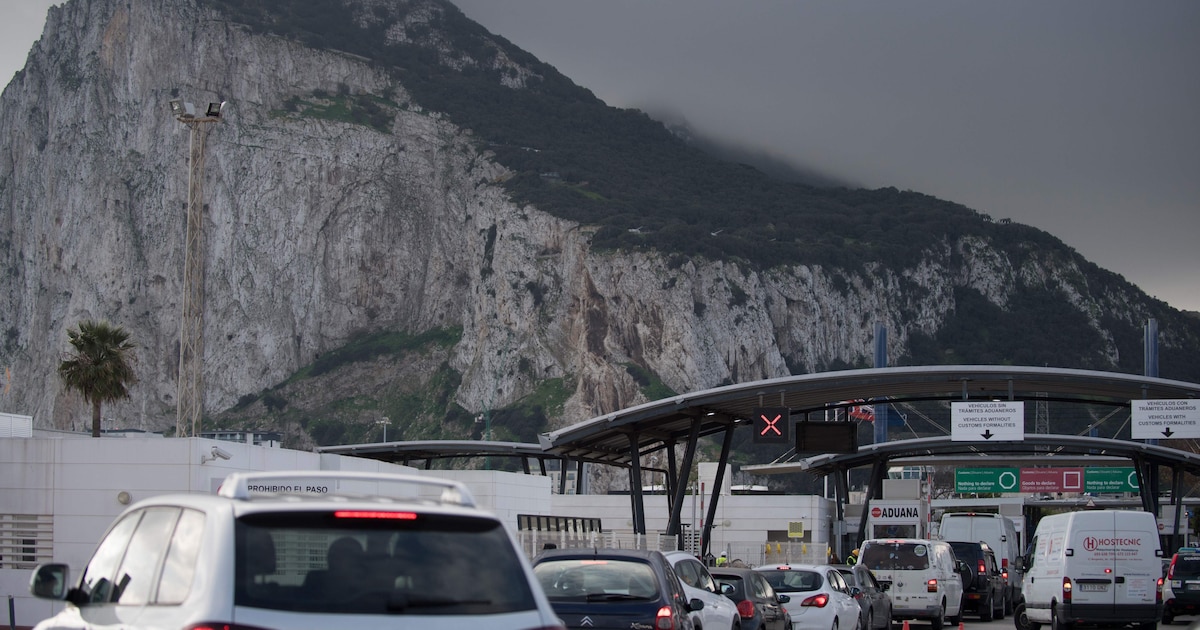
(1164, 419)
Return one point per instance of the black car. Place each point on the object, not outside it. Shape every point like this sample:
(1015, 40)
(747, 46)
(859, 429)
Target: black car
(871, 596)
(983, 585)
(759, 606)
(1181, 586)
(614, 588)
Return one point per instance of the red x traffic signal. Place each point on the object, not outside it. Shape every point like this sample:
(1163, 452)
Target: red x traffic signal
(772, 425)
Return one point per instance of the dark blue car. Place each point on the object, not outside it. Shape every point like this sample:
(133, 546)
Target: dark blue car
(615, 589)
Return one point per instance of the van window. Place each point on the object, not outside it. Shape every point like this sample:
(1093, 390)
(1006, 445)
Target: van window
(898, 556)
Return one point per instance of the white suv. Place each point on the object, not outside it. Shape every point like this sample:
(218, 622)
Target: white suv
(719, 612)
(304, 550)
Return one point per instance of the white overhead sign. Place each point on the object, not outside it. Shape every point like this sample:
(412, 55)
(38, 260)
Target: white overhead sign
(987, 421)
(1163, 419)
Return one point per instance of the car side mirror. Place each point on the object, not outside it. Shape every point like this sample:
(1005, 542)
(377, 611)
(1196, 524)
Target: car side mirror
(855, 591)
(695, 604)
(727, 589)
(49, 581)
(783, 599)
(885, 586)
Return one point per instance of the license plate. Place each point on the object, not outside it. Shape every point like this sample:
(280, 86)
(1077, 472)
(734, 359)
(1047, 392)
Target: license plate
(1093, 587)
(1193, 587)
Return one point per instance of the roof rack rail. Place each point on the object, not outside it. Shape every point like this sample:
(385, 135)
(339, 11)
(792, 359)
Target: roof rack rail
(244, 485)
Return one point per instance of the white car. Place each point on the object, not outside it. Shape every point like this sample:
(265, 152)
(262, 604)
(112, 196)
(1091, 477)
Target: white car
(820, 597)
(304, 550)
(719, 612)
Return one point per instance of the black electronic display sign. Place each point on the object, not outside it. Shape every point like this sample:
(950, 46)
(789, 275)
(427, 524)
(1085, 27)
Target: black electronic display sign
(826, 437)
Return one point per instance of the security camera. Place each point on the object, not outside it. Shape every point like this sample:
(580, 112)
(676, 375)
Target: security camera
(217, 453)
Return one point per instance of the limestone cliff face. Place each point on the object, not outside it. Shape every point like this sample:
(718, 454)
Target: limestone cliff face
(318, 229)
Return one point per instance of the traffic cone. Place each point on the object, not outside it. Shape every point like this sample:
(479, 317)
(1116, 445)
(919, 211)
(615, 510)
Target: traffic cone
(962, 626)
(905, 624)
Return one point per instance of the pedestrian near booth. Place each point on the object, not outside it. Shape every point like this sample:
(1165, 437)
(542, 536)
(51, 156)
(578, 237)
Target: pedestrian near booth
(722, 560)
(852, 559)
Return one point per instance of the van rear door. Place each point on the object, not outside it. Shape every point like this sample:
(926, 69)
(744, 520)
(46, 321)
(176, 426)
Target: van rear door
(1136, 564)
(1112, 560)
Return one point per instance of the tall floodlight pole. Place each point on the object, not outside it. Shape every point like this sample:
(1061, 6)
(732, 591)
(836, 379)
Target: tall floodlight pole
(190, 403)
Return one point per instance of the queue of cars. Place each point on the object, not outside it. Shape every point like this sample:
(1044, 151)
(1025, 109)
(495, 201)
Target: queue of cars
(335, 549)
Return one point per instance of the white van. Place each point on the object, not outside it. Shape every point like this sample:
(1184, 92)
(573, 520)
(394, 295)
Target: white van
(1000, 533)
(1094, 567)
(925, 578)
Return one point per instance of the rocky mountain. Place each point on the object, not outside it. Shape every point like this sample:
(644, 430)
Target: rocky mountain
(408, 217)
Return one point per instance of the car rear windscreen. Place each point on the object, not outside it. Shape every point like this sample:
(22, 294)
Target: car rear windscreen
(1186, 567)
(793, 581)
(895, 556)
(596, 579)
(378, 562)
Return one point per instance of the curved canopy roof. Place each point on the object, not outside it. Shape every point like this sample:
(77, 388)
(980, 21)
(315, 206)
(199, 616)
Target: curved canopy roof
(607, 439)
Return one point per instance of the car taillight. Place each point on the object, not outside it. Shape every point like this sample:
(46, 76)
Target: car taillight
(398, 516)
(745, 609)
(1171, 568)
(1158, 596)
(219, 625)
(1066, 590)
(982, 567)
(818, 601)
(931, 585)
(1004, 574)
(664, 620)
(1004, 564)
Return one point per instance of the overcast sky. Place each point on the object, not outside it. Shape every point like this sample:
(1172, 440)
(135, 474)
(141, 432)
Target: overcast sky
(1079, 117)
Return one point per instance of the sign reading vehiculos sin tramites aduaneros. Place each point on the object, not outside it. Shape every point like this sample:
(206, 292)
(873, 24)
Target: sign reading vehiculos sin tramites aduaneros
(987, 421)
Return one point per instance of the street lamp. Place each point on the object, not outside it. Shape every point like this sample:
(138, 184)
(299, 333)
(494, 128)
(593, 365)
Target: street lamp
(384, 421)
(190, 392)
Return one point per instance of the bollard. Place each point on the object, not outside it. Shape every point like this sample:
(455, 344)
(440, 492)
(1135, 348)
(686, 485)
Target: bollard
(12, 614)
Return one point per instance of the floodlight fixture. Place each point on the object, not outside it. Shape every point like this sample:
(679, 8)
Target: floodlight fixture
(182, 109)
(215, 109)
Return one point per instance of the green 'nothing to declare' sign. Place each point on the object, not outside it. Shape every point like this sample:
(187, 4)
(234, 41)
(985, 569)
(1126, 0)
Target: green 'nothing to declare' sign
(1000, 480)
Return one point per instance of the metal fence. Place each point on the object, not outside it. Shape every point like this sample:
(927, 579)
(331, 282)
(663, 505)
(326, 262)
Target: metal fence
(534, 542)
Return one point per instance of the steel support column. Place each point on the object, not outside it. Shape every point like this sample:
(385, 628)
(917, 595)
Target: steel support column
(685, 472)
(717, 483)
(635, 486)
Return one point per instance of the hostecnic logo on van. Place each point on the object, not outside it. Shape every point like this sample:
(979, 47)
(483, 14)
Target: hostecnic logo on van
(1091, 543)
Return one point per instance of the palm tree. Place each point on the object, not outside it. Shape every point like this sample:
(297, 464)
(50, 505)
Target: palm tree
(101, 368)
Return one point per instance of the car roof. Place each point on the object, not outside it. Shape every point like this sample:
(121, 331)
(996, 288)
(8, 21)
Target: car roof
(279, 491)
(569, 554)
(738, 571)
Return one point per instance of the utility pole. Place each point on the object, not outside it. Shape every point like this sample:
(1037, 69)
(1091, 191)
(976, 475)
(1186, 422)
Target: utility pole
(190, 392)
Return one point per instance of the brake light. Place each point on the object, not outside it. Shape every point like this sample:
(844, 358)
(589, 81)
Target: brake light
(664, 619)
(931, 585)
(1004, 574)
(399, 516)
(1004, 563)
(1066, 590)
(1158, 595)
(219, 625)
(746, 609)
(982, 567)
(817, 601)
(1171, 568)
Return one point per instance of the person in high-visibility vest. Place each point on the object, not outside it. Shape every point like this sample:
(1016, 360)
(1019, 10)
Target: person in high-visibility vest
(852, 559)
(722, 560)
